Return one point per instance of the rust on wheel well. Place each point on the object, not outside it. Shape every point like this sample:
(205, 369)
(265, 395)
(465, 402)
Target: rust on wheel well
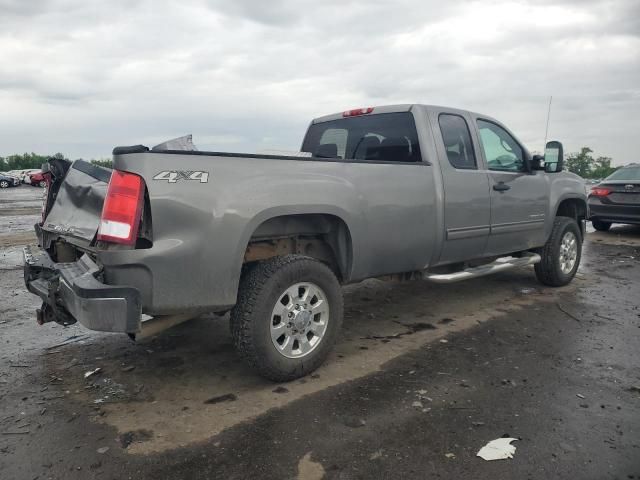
(321, 236)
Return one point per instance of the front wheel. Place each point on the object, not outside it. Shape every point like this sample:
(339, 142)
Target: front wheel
(601, 226)
(287, 317)
(4, 184)
(561, 254)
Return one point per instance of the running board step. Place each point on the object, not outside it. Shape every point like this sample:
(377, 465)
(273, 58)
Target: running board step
(500, 265)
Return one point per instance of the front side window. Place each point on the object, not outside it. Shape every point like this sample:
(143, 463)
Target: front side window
(386, 137)
(501, 150)
(457, 141)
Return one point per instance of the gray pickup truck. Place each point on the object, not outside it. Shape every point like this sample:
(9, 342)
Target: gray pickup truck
(404, 191)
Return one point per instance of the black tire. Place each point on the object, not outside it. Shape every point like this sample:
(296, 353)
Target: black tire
(260, 288)
(548, 270)
(4, 184)
(42, 184)
(600, 225)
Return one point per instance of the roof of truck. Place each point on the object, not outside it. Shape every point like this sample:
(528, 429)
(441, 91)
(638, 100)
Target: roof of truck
(401, 107)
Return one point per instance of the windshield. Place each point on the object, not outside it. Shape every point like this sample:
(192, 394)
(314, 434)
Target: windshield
(388, 137)
(629, 173)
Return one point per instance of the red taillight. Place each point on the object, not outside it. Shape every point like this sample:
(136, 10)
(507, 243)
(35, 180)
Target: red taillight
(122, 209)
(600, 192)
(357, 111)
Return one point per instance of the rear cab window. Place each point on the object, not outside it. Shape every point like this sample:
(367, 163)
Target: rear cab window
(457, 141)
(384, 137)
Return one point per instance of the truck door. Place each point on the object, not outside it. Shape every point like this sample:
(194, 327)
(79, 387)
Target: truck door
(518, 198)
(465, 185)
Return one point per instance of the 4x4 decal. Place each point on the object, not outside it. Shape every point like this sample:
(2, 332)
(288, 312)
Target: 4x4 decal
(172, 176)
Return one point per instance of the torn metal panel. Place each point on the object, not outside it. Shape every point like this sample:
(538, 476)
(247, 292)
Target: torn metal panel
(184, 143)
(78, 203)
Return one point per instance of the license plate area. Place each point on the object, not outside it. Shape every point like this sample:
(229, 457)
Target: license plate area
(625, 198)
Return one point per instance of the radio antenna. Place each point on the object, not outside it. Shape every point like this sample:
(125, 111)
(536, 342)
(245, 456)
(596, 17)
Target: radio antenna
(546, 132)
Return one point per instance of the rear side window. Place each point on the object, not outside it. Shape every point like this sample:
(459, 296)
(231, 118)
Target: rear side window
(387, 137)
(457, 141)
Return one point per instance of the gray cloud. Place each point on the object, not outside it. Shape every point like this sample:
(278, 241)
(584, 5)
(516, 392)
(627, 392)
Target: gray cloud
(82, 76)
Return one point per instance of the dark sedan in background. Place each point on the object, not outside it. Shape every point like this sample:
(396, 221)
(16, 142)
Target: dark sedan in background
(7, 181)
(616, 199)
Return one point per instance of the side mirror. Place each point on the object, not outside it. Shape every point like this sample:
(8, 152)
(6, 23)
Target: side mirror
(553, 157)
(537, 162)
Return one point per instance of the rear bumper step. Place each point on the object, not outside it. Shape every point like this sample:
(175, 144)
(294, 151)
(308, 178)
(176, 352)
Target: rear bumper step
(501, 264)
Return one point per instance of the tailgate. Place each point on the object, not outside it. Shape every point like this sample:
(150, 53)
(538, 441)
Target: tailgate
(77, 202)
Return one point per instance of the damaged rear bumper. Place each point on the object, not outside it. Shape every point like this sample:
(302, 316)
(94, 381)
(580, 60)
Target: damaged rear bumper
(71, 292)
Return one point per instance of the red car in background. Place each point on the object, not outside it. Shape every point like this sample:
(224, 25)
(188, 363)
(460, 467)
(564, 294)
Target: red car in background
(38, 180)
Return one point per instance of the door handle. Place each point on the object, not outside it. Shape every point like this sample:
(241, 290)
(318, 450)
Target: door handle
(501, 187)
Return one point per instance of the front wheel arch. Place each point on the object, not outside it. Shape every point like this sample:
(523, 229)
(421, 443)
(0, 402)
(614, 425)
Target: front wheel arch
(574, 208)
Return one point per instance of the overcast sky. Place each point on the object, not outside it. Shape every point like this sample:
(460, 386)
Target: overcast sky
(81, 76)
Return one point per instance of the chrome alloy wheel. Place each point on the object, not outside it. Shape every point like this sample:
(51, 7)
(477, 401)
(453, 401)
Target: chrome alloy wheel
(568, 252)
(299, 320)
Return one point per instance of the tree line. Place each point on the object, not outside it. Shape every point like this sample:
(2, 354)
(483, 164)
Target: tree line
(584, 164)
(581, 163)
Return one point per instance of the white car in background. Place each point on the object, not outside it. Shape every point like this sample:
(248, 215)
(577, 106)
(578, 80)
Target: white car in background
(14, 174)
(24, 174)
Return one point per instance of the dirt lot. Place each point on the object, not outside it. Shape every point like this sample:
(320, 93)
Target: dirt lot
(423, 376)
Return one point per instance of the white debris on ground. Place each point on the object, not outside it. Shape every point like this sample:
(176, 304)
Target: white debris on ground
(92, 372)
(498, 449)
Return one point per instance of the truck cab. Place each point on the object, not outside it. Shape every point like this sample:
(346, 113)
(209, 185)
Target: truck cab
(491, 197)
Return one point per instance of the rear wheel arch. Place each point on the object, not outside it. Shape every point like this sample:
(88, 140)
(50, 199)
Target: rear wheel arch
(323, 236)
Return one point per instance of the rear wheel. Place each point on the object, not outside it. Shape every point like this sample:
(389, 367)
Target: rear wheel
(4, 184)
(561, 254)
(287, 317)
(601, 226)
(42, 183)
